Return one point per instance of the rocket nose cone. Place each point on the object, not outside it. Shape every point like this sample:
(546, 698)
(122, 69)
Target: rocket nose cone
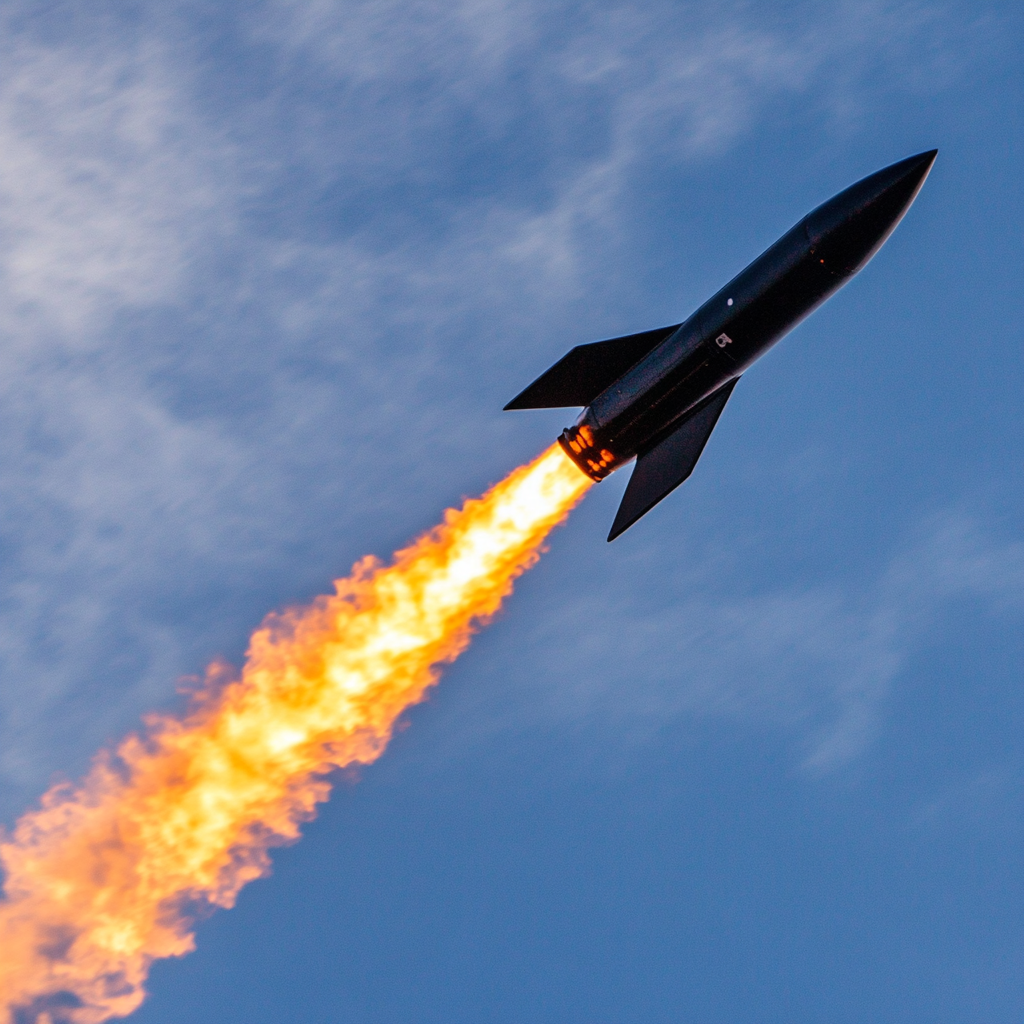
(892, 188)
(862, 216)
(909, 174)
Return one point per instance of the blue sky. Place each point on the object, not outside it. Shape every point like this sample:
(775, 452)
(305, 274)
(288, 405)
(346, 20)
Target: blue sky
(270, 271)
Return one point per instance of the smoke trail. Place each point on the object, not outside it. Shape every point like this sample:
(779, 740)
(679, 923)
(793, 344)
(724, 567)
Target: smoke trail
(108, 876)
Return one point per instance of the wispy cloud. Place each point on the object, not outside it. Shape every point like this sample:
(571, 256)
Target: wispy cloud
(817, 664)
(106, 191)
(991, 799)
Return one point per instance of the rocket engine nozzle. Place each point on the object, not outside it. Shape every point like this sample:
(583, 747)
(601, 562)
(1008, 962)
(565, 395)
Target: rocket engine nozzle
(578, 443)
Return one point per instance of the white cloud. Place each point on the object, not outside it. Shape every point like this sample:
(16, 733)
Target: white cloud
(108, 189)
(104, 184)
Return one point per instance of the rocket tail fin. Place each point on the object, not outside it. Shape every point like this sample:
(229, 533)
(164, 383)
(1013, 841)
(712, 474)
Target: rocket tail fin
(662, 468)
(585, 371)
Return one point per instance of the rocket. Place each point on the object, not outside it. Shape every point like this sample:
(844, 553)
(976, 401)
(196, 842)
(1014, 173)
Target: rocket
(657, 395)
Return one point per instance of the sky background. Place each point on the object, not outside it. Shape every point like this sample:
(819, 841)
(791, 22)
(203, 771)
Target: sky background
(268, 273)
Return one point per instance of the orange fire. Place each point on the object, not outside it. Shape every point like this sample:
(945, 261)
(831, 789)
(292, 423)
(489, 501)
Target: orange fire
(107, 876)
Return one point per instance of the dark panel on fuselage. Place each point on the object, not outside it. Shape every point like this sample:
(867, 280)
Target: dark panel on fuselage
(667, 401)
(764, 301)
(782, 305)
(651, 373)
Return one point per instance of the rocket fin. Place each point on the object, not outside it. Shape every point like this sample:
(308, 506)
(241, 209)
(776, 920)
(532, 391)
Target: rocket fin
(585, 371)
(664, 467)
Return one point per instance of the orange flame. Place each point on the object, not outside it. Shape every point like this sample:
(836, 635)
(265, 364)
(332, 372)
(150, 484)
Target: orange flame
(107, 876)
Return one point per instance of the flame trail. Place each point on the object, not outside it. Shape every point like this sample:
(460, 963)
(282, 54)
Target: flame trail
(107, 876)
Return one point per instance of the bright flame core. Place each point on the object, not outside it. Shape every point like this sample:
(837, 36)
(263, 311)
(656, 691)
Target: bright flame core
(105, 877)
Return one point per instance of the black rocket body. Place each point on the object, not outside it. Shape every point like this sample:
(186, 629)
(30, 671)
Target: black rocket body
(656, 396)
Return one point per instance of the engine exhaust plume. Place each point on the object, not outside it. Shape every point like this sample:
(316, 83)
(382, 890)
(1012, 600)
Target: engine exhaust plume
(109, 875)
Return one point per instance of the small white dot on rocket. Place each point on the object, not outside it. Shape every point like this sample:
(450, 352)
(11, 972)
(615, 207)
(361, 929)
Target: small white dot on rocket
(728, 302)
